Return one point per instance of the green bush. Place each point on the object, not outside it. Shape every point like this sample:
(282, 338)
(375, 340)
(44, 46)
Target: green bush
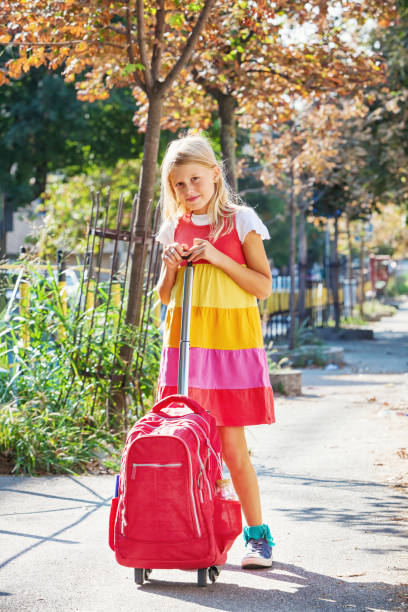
(52, 417)
(304, 334)
(67, 205)
(374, 308)
(312, 357)
(397, 285)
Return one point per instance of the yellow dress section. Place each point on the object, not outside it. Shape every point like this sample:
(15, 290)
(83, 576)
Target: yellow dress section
(223, 316)
(212, 328)
(212, 288)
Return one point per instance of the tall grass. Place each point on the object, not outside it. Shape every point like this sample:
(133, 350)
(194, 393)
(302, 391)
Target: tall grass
(55, 381)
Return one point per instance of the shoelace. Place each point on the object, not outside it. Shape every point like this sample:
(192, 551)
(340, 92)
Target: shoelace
(256, 545)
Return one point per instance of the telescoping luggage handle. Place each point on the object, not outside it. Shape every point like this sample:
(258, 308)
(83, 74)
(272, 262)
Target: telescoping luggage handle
(184, 346)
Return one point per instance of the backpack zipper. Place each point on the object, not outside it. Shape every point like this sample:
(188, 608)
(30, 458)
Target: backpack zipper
(153, 465)
(202, 468)
(191, 486)
(219, 463)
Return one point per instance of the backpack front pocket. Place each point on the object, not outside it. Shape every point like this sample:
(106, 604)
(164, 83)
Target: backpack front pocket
(160, 502)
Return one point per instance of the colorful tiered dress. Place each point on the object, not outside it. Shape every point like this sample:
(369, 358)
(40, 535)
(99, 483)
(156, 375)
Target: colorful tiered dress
(228, 367)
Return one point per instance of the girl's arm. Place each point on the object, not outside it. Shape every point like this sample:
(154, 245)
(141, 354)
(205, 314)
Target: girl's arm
(256, 278)
(171, 259)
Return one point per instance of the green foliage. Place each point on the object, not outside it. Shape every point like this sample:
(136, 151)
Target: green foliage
(397, 285)
(271, 205)
(373, 310)
(378, 308)
(351, 322)
(304, 334)
(271, 208)
(280, 389)
(67, 206)
(44, 127)
(312, 357)
(53, 419)
(132, 68)
(387, 122)
(274, 366)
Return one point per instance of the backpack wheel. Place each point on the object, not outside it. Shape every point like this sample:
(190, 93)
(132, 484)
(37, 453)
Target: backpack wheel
(202, 577)
(214, 572)
(141, 575)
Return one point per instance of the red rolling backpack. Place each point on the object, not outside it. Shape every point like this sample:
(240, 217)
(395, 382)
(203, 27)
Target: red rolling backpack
(166, 513)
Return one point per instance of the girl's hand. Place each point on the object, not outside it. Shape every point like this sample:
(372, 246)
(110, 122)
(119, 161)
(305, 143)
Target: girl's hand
(172, 255)
(203, 249)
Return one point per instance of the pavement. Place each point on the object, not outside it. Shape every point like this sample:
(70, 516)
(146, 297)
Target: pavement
(333, 477)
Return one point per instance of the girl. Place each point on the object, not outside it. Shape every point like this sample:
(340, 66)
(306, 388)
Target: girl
(228, 368)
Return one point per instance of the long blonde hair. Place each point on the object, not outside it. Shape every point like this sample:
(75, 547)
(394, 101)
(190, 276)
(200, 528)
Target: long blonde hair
(196, 149)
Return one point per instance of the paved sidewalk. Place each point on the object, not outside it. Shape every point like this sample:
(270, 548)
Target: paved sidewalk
(332, 477)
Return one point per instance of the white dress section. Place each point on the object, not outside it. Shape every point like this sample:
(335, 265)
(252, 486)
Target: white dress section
(246, 220)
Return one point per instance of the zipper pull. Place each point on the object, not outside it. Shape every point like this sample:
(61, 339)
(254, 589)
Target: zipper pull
(200, 485)
(124, 521)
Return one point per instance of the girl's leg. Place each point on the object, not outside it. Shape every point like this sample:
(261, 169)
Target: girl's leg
(257, 535)
(236, 456)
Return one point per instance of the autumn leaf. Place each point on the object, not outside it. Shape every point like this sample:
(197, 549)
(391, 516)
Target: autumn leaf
(129, 68)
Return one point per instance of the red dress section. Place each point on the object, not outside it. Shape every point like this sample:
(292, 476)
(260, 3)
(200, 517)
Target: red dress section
(228, 367)
(229, 244)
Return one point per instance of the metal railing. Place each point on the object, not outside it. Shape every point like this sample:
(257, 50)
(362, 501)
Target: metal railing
(319, 304)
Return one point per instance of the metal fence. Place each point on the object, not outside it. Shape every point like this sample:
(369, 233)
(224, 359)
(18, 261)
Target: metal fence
(275, 313)
(319, 304)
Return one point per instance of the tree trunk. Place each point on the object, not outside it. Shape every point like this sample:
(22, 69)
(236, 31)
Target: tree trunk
(302, 262)
(292, 260)
(350, 265)
(117, 402)
(335, 274)
(146, 193)
(41, 173)
(226, 110)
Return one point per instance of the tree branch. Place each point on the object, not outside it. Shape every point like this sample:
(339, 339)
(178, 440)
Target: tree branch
(117, 29)
(129, 48)
(189, 48)
(244, 41)
(210, 89)
(270, 71)
(68, 43)
(159, 35)
(141, 37)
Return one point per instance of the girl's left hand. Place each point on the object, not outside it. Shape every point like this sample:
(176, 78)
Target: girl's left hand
(203, 249)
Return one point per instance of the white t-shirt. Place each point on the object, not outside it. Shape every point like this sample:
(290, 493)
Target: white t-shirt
(246, 220)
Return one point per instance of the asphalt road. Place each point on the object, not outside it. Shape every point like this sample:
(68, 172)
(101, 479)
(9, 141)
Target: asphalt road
(333, 477)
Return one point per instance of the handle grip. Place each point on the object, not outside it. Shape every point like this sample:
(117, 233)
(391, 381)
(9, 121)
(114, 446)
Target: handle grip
(180, 399)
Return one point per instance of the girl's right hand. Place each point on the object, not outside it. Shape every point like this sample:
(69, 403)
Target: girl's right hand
(172, 255)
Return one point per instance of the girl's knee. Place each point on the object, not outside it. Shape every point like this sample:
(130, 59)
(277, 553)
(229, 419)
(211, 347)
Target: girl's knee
(236, 458)
(234, 448)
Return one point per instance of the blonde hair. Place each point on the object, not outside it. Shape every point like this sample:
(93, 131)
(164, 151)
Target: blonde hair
(196, 149)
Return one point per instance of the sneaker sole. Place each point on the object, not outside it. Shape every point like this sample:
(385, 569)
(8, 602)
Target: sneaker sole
(257, 564)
